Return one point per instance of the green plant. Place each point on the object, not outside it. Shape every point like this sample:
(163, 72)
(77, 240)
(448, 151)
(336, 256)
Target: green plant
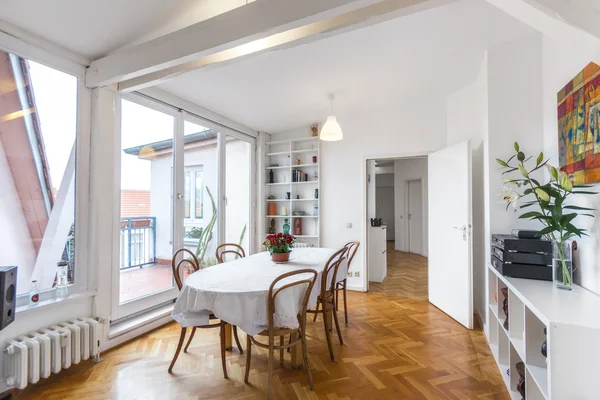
(194, 233)
(241, 239)
(550, 199)
(206, 235)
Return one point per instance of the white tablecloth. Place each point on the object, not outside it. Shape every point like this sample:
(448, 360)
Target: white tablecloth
(237, 291)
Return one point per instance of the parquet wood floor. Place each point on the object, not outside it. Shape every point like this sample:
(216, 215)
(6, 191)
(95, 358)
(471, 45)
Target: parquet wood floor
(406, 275)
(395, 347)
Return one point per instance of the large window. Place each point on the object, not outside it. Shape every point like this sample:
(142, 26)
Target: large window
(38, 126)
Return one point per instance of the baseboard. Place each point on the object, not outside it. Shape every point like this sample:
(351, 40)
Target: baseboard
(355, 288)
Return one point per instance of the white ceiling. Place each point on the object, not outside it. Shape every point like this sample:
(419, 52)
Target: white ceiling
(431, 53)
(94, 28)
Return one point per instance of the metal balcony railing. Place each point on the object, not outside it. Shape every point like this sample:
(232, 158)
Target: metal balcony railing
(138, 241)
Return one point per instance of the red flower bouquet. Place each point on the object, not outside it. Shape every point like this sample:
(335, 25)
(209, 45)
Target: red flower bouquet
(280, 246)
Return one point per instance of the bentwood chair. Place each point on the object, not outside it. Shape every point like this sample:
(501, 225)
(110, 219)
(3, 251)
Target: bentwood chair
(238, 251)
(229, 248)
(326, 298)
(351, 248)
(273, 331)
(178, 273)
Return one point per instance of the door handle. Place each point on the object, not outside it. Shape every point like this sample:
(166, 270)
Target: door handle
(463, 229)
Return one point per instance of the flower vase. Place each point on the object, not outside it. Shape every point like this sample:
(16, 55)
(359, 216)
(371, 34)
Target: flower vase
(562, 265)
(280, 257)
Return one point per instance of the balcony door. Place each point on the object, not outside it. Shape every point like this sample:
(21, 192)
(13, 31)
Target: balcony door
(142, 277)
(185, 182)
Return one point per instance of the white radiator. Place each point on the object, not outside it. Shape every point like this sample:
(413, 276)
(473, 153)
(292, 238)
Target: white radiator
(38, 354)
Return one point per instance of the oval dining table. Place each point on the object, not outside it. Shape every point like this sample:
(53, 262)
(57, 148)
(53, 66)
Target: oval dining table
(236, 292)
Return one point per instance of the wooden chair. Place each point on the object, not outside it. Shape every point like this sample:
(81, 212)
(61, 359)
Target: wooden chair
(351, 248)
(239, 252)
(327, 300)
(273, 331)
(223, 249)
(177, 274)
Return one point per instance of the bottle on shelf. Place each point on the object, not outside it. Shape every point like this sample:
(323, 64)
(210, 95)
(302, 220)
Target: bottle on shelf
(286, 227)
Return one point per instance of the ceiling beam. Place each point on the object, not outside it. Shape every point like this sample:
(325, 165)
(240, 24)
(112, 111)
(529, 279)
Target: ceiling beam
(574, 21)
(256, 27)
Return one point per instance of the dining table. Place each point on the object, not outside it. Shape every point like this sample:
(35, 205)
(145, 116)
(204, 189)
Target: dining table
(237, 291)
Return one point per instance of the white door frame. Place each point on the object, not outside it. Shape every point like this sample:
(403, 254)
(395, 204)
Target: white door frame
(406, 225)
(365, 235)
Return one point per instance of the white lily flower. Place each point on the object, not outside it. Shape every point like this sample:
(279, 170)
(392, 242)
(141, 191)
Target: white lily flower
(510, 196)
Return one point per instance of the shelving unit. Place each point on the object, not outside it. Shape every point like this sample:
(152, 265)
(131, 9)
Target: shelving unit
(281, 159)
(572, 323)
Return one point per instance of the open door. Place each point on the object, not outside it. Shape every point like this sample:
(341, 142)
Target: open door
(450, 240)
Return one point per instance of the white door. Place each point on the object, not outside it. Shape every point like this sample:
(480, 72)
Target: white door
(415, 217)
(450, 241)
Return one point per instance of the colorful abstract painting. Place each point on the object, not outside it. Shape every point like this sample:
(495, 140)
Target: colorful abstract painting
(579, 126)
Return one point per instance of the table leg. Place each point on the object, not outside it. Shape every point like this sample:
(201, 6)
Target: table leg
(228, 337)
(296, 353)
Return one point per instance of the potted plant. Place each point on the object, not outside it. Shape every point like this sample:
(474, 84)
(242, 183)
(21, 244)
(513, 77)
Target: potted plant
(549, 204)
(280, 246)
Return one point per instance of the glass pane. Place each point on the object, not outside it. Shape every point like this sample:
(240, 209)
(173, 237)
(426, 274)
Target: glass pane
(146, 206)
(200, 159)
(199, 195)
(237, 161)
(38, 126)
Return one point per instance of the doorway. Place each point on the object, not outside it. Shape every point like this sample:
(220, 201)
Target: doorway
(397, 196)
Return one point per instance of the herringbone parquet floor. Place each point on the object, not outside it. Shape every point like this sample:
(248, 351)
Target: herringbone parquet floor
(395, 347)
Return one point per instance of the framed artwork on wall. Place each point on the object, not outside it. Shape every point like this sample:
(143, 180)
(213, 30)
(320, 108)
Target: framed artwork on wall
(579, 126)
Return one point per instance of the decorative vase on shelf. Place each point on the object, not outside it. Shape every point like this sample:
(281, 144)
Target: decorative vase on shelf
(544, 349)
(562, 265)
(505, 306)
(521, 383)
(286, 227)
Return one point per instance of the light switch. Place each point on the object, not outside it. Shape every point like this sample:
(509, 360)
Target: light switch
(349, 225)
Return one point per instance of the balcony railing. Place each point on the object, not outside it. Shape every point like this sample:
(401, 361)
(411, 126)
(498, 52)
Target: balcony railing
(138, 241)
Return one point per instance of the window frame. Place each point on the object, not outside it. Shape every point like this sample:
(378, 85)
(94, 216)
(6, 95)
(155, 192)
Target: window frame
(60, 62)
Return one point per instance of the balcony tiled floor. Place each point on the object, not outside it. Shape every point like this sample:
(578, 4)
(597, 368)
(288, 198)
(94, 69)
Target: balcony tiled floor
(137, 282)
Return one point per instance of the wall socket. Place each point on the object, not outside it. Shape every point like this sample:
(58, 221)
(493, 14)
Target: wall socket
(349, 274)
(356, 274)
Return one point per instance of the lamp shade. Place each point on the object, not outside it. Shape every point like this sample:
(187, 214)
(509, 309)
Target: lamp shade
(331, 131)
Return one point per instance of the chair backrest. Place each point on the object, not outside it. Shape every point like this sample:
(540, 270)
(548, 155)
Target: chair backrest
(351, 248)
(309, 281)
(229, 248)
(177, 266)
(330, 271)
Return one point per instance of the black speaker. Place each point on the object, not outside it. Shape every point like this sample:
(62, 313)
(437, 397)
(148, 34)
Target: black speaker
(8, 291)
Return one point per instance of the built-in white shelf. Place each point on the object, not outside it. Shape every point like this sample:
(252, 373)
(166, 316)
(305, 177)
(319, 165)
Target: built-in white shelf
(572, 323)
(316, 165)
(305, 182)
(279, 167)
(299, 153)
(305, 151)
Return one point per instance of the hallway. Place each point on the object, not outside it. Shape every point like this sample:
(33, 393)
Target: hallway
(406, 275)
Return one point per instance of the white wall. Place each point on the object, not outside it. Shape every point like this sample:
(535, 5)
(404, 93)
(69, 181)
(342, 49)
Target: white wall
(17, 247)
(562, 61)
(467, 119)
(398, 130)
(405, 170)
